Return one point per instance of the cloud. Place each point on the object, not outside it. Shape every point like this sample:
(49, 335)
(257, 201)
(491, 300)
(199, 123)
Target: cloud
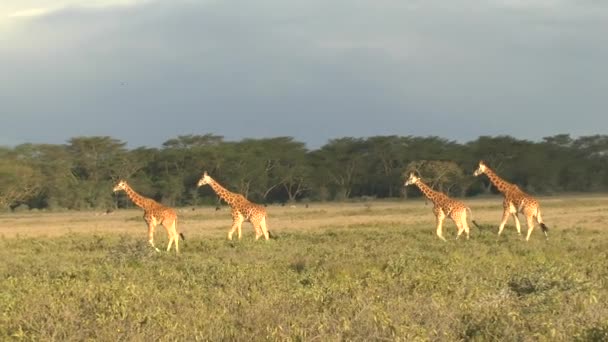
(23, 9)
(311, 69)
(30, 12)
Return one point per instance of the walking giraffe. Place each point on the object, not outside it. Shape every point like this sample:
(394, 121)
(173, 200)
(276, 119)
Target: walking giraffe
(242, 209)
(154, 214)
(444, 206)
(515, 201)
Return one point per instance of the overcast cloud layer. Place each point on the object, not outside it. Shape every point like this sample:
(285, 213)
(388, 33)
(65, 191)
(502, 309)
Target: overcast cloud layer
(147, 71)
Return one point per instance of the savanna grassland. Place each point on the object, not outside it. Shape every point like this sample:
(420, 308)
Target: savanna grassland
(365, 271)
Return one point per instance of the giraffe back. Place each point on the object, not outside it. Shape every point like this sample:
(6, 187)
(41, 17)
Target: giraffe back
(159, 212)
(520, 200)
(449, 205)
(249, 209)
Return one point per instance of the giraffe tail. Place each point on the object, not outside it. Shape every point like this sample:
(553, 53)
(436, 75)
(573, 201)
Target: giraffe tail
(270, 234)
(472, 220)
(543, 226)
(181, 235)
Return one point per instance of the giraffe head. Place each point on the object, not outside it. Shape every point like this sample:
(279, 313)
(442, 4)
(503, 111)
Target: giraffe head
(205, 179)
(121, 185)
(480, 169)
(412, 179)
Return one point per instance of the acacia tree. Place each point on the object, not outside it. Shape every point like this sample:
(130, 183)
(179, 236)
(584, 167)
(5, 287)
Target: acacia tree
(342, 160)
(290, 169)
(18, 182)
(246, 168)
(130, 163)
(386, 161)
(500, 153)
(54, 165)
(275, 155)
(79, 174)
(193, 154)
(96, 160)
(192, 141)
(445, 176)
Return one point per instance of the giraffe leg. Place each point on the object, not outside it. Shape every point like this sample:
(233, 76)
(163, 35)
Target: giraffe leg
(458, 222)
(259, 224)
(264, 228)
(465, 225)
(460, 228)
(237, 220)
(530, 222)
(173, 237)
(170, 243)
(232, 230)
(505, 217)
(169, 235)
(460, 219)
(176, 239)
(517, 224)
(151, 226)
(240, 229)
(258, 229)
(440, 218)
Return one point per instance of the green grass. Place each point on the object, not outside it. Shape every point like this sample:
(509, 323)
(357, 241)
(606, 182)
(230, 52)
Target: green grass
(361, 283)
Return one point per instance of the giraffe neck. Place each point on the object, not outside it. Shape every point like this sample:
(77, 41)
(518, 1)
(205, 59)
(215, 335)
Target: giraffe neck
(138, 199)
(427, 191)
(223, 193)
(498, 182)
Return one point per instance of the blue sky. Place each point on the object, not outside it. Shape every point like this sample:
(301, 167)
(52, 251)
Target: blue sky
(147, 71)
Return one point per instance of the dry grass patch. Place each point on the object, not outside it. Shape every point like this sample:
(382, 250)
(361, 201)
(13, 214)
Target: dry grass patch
(560, 213)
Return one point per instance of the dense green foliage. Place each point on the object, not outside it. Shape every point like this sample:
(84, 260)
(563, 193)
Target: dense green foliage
(79, 174)
(358, 284)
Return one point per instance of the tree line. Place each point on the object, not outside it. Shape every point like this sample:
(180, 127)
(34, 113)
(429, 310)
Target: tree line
(80, 174)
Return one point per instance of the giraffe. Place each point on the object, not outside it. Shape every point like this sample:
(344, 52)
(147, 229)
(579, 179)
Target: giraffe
(444, 206)
(242, 209)
(515, 201)
(154, 214)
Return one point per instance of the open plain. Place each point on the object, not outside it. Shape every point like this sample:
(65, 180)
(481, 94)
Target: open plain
(357, 271)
